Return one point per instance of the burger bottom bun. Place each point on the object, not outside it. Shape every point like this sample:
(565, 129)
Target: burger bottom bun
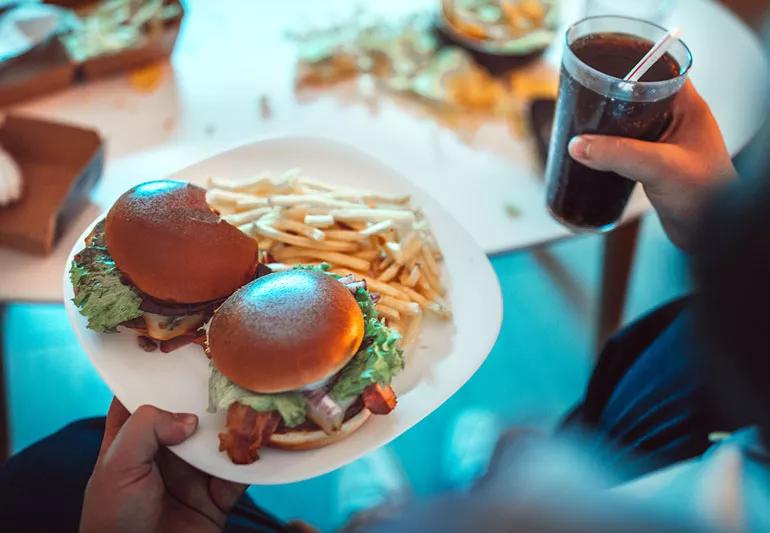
(309, 440)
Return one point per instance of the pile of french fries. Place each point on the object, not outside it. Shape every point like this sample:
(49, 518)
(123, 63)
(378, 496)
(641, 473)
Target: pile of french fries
(375, 236)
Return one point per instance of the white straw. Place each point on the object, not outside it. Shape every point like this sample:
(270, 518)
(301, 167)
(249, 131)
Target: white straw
(656, 52)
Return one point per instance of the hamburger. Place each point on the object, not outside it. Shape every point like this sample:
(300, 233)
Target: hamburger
(299, 360)
(160, 263)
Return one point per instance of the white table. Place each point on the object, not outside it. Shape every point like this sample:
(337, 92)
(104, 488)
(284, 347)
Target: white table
(232, 52)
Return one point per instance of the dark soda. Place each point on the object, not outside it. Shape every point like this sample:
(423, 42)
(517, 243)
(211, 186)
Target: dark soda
(578, 196)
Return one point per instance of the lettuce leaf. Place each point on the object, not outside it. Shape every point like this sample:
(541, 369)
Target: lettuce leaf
(378, 362)
(100, 295)
(223, 392)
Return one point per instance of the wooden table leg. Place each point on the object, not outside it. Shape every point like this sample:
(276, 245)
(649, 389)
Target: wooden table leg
(4, 433)
(618, 258)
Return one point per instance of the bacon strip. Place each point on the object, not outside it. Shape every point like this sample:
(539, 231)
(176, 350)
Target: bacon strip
(379, 400)
(245, 432)
(146, 343)
(182, 340)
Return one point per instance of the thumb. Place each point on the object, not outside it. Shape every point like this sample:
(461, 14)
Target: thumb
(144, 432)
(642, 161)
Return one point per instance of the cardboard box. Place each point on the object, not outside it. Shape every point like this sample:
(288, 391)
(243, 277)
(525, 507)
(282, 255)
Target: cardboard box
(60, 164)
(156, 46)
(44, 70)
(50, 68)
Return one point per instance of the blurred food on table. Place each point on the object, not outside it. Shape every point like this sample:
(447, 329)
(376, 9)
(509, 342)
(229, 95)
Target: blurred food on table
(405, 57)
(147, 78)
(516, 27)
(84, 40)
(115, 25)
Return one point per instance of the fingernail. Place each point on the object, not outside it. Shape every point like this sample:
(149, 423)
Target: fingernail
(579, 148)
(188, 420)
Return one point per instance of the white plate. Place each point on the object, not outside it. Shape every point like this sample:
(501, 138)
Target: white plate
(446, 356)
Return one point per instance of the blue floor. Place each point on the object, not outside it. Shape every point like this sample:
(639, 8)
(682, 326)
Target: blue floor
(536, 371)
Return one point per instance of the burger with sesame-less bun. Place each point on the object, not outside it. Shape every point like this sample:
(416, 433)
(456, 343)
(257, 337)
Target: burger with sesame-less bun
(299, 360)
(160, 263)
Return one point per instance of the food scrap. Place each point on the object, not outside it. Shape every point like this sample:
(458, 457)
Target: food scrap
(503, 26)
(404, 58)
(146, 79)
(117, 25)
(512, 210)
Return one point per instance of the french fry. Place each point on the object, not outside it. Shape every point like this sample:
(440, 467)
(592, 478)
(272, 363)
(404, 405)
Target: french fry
(429, 262)
(433, 282)
(413, 295)
(378, 227)
(260, 182)
(411, 249)
(412, 330)
(342, 192)
(393, 249)
(220, 196)
(372, 215)
(248, 229)
(402, 306)
(426, 290)
(369, 255)
(345, 235)
(238, 219)
(413, 277)
(265, 244)
(355, 225)
(440, 308)
(317, 185)
(278, 235)
(332, 257)
(289, 200)
(320, 221)
(389, 273)
(301, 228)
(388, 312)
(299, 213)
(251, 203)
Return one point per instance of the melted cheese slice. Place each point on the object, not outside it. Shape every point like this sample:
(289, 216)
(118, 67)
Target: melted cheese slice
(158, 329)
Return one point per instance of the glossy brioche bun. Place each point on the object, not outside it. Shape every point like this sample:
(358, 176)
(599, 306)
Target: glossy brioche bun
(308, 440)
(165, 239)
(285, 331)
